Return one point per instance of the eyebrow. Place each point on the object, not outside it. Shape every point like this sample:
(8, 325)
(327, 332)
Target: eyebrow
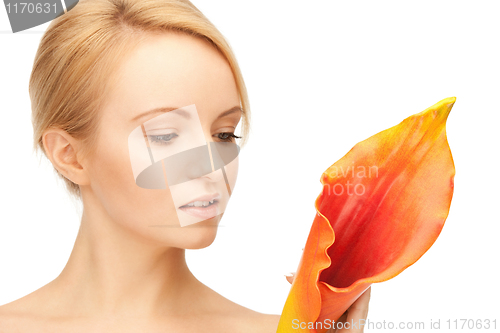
(183, 113)
(180, 111)
(230, 111)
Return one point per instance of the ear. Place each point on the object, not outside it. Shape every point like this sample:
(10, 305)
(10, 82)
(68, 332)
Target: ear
(62, 150)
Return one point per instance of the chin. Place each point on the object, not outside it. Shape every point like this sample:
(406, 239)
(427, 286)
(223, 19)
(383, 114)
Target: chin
(202, 234)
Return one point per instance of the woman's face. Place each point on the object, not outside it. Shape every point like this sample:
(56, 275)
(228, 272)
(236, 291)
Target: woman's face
(192, 89)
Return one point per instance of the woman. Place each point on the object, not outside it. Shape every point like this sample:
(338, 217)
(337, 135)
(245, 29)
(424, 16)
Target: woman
(107, 75)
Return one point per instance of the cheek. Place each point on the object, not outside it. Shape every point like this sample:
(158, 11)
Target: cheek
(113, 182)
(232, 172)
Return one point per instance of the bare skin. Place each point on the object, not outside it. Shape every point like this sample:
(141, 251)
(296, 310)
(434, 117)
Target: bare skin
(122, 275)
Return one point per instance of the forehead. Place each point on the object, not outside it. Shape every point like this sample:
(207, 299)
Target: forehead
(172, 69)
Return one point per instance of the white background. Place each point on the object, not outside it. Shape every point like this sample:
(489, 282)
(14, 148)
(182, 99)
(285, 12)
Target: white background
(321, 76)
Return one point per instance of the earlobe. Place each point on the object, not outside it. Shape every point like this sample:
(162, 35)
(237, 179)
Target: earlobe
(61, 149)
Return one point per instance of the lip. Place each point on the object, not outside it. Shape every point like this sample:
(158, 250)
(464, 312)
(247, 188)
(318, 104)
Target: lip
(203, 212)
(205, 197)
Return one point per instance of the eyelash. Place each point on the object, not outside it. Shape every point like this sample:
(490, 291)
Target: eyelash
(162, 139)
(229, 138)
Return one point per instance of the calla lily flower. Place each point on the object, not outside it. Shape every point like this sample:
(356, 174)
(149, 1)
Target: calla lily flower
(382, 207)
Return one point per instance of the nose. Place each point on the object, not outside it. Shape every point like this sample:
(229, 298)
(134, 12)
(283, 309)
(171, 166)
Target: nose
(201, 164)
(214, 177)
(216, 174)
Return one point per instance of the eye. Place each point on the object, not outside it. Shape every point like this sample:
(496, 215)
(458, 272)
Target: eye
(226, 136)
(163, 139)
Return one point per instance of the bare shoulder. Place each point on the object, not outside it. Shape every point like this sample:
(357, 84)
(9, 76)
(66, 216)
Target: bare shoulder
(12, 317)
(267, 323)
(237, 318)
(250, 321)
(20, 315)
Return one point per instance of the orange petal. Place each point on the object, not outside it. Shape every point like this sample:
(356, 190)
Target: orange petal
(382, 207)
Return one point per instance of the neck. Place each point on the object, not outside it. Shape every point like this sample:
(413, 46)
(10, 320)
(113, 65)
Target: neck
(113, 271)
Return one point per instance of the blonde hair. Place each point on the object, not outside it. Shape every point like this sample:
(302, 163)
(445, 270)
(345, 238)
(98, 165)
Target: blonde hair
(80, 49)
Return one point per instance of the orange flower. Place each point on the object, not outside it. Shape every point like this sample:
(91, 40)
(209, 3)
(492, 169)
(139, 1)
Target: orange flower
(382, 207)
